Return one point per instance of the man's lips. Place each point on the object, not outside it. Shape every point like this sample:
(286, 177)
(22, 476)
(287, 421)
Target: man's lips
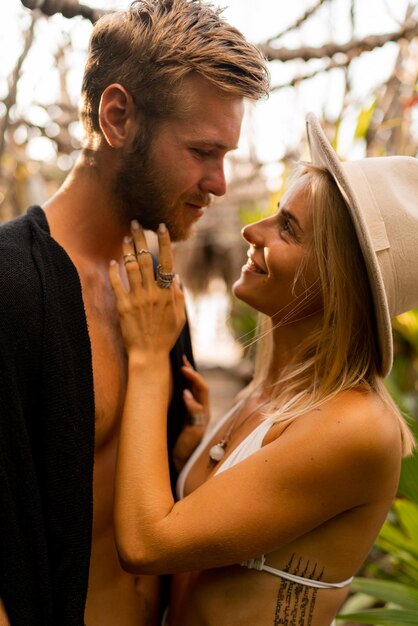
(196, 209)
(198, 201)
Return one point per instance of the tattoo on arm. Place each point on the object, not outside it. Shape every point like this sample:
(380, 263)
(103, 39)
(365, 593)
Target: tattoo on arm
(295, 602)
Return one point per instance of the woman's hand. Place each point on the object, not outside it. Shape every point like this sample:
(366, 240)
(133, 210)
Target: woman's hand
(196, 399)
(196, 396)
(151, 312)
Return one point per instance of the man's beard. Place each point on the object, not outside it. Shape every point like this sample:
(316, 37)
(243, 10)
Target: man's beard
(143, 193)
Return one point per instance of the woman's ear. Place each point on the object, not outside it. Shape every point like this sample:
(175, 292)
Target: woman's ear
(116, 115)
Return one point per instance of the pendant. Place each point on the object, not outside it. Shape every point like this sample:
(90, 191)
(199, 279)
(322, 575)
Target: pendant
(217, 452)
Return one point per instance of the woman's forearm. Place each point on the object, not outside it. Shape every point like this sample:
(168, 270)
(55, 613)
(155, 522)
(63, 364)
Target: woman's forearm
(143, 494)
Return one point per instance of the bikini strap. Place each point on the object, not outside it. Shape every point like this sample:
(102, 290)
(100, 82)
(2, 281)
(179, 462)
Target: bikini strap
(259, 563)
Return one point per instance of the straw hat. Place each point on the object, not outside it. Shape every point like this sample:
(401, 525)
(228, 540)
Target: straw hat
(382, 197)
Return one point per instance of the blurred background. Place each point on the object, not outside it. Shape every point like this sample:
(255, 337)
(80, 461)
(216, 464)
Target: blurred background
(353, 63)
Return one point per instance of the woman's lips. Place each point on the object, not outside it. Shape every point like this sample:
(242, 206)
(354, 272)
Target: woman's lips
(252, 266)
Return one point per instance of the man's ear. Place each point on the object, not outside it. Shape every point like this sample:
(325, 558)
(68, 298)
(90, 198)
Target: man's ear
(116, 115)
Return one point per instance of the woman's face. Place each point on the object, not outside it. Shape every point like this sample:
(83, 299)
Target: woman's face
(279, 252)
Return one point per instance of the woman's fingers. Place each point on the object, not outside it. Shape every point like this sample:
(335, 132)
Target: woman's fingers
(196, 379)
(191, 402)
(187, 362)
(116, 282)
(196, 398)
(131, 265)
(165, 251)
(144, 258)
(196, 410)
(143, 254)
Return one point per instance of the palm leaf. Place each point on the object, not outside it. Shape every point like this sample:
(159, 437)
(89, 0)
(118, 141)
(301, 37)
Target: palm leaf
(393, 540)
(388, 591)
(383, 617)
(408, 517)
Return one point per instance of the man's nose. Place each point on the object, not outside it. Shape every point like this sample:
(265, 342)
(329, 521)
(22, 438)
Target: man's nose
(214, 182)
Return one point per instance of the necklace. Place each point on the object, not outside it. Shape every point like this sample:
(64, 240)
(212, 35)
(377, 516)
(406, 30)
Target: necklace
(217, 451)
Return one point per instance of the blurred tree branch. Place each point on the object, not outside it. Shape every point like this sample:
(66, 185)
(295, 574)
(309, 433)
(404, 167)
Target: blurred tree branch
(352, 48)
(389, 129)
(12, 83)
(298, 23)
(68, 8)
(408, 31)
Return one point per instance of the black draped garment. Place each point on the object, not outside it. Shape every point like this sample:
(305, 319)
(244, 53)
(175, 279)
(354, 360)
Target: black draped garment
(47, 427)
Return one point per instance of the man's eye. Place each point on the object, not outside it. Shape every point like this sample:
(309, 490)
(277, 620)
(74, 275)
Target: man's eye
(201, 153)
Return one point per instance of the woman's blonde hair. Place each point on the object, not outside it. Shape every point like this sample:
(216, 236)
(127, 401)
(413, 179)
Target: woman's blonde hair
(343, 352)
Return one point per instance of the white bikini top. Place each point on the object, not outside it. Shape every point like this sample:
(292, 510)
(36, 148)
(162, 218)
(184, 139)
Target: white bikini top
(209, 434)
(246, 448)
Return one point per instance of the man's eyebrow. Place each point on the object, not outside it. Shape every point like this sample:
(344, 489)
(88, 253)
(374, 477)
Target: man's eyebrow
(215, 144)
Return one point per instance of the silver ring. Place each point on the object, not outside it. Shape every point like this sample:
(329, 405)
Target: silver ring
(197, 419)
(143, 251)
(164, 284)
(129, 258)
(164, 279)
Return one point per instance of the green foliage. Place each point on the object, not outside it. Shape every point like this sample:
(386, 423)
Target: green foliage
(404, 376)
(403, 385)
(243, 322)
(391, 596)
(364, 120)
(408, 485)
(385, 617)
(253, 212)
(396, 593)
(397, 570)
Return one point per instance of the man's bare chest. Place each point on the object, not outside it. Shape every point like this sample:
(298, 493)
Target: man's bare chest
(108, 358)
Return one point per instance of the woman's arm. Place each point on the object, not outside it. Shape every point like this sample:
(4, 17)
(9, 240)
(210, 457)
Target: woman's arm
(318, 468)
(151, 318)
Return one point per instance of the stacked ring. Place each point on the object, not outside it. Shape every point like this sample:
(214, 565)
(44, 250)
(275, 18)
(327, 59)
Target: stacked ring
(143, 251)
(129, 258)
(164, 279)
(197, 419)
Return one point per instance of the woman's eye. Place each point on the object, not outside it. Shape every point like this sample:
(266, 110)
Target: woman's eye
(285, 225)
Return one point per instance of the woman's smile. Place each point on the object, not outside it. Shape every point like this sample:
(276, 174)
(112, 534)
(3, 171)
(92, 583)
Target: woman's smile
(252, 266)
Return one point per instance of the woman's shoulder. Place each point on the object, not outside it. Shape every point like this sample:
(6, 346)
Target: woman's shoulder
(352, 441)
(363, 427)
(363, 412)
(355, 426)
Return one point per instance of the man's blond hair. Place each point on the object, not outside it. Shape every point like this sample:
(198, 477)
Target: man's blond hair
(153, 45)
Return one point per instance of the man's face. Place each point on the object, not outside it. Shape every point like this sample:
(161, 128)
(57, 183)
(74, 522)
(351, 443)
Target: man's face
(172, 177)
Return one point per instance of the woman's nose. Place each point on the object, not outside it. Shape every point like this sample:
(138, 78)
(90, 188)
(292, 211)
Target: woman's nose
(253, 234)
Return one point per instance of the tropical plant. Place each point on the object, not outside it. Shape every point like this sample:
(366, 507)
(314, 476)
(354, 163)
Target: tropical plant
(394, 585)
